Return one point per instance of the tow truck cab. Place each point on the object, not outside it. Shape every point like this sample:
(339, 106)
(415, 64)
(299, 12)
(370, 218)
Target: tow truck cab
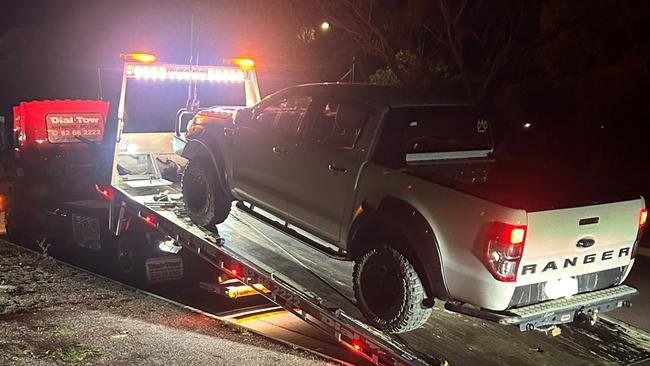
(56, 146)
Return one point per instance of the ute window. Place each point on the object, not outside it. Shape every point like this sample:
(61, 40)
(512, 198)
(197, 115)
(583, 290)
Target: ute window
(284, 115)
(434, 133)
(338, 125)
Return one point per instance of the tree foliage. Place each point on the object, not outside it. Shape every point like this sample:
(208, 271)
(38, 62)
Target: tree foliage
(444, 46)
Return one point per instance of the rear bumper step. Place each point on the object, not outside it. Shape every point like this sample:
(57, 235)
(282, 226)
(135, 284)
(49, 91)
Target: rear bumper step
(566, 310)
(560, 311)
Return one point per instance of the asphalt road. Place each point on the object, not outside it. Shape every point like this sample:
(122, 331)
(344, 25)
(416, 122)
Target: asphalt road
(52, 314)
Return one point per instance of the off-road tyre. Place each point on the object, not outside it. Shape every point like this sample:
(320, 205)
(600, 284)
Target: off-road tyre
(206, 202)
(389, 291)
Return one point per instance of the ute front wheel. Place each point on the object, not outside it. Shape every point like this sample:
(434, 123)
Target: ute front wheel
(205, 201)
(389, 291)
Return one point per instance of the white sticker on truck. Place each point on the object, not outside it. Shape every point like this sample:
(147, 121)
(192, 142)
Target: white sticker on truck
(163, 269)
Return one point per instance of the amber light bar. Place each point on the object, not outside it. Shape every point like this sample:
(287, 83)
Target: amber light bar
(184, 73)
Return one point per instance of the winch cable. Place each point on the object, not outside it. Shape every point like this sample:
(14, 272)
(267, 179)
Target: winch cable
(293, 258)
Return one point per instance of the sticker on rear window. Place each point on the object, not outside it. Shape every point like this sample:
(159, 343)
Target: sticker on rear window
(481, 125)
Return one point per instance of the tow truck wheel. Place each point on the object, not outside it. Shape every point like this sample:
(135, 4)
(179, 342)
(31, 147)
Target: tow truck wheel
(205, 201)
(389, 291)
(16, 229)
(125, 257)
(126, 262)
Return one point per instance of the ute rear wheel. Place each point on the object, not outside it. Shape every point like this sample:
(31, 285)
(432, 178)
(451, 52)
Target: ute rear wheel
(205, 201)
(389, 291)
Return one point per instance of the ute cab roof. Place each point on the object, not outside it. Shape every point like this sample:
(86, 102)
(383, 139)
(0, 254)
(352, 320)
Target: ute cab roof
(389, 96)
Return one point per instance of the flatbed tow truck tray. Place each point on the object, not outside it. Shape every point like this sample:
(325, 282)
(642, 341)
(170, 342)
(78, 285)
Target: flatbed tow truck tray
(294, 273)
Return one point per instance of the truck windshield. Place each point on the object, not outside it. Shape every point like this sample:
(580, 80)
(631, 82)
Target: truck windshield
(429, 133)
(151, 105)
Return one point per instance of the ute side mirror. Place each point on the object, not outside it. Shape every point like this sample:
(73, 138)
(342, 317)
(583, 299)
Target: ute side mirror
(243, 116)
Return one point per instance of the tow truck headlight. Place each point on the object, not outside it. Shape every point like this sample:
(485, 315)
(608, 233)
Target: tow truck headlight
(503, 251)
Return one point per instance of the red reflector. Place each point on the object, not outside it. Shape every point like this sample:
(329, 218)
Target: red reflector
(357, 345)
(149, 219)
(234, 269)
(643, 217)
(105, 192)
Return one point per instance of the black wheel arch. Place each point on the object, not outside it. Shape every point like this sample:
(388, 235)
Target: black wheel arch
(196, 148)
(395, 217)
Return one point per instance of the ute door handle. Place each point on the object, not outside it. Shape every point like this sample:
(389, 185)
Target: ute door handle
(334, 169)
(277, 150)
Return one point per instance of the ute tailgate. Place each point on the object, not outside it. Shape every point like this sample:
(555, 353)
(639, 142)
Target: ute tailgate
(564, 243)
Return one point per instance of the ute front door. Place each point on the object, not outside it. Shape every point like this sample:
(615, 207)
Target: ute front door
(326, 167)
(263, 151)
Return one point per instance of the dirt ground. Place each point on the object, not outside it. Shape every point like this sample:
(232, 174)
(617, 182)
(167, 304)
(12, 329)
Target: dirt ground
(52, 314)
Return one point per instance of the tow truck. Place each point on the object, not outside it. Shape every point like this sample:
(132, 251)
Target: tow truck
(48, 161)
(141, 202)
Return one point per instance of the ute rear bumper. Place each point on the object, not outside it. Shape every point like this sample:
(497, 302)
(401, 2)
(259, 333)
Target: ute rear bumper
(567, 310)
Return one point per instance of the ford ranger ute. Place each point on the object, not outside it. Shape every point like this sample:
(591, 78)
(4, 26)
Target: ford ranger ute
(410, 191)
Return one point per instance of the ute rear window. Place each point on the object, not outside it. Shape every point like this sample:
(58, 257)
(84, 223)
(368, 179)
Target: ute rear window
(420, 134)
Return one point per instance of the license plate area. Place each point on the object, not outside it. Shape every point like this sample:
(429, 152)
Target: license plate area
(562, 287)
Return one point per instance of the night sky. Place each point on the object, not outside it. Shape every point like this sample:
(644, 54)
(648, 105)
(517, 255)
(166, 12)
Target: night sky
(580, 71)
(51, 49)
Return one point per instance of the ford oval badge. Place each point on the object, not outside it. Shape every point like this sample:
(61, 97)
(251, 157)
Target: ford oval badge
(585, 243)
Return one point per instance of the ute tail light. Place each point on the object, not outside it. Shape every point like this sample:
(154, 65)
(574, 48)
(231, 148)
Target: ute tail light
(503, 250)
(643, 218)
